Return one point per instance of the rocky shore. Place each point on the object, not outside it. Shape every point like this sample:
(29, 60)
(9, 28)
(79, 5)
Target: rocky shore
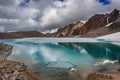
(112, 71)
(21, 34)
(12, 70)
(108, 75)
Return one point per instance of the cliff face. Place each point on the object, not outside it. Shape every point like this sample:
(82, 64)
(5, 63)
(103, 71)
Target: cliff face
(93, 23)
(21, 34)
(115, 14)
(67, 31)
(97, 21)
(5, 51)
(97, 25)
(12, 70)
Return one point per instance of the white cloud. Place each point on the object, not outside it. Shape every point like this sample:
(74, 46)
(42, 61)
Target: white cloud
(2, 29)
(5, 20)
(32, 22)
(50, 31)
(50, 14)
(69, 11)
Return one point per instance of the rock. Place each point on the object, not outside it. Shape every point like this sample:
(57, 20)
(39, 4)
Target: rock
(111, 28)
(97, 21)
(115, 14)
(67, 31)
(11, 70)
(100, 76)
(5, 51)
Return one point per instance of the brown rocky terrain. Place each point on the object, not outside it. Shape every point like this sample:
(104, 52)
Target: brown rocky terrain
(113, 73)
(95, 26)
(108, 75)
(12, 70)
(21, 34)
(67, 31)
(109, 29)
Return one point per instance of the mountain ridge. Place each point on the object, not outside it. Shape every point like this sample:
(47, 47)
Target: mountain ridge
(97, 21)
(97, 25)
(67, 31)
(21, 34)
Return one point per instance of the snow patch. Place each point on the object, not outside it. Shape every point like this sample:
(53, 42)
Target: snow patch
(112, 37)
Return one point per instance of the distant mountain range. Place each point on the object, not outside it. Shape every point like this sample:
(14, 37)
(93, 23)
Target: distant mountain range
(67, 31)
(21, 34)
(97, 25)
(100, 24)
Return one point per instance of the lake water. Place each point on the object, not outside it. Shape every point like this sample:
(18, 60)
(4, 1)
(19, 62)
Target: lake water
(62, 53)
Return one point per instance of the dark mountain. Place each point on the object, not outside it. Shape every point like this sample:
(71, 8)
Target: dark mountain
(67, 31)
(21, 34)
(95, 23)
(108, 29)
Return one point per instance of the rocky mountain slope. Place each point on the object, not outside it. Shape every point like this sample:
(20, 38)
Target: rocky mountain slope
(21, 34)
(97, 25)
(107, 29)
(67, 31)
(100, 24)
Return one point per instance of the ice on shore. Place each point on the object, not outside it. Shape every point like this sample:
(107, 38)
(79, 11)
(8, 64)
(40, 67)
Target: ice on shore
(112, 37)
(61, 64)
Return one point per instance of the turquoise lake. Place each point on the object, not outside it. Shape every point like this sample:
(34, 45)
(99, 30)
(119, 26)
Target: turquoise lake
(63, 52)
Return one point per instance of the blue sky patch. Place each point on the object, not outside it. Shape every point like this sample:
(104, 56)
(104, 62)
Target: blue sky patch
(61, 0)
(27, 1)
(37, 19)
(105, 2)
(24, 3)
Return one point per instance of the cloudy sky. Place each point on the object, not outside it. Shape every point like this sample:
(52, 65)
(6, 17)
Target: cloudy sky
(47, 15)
